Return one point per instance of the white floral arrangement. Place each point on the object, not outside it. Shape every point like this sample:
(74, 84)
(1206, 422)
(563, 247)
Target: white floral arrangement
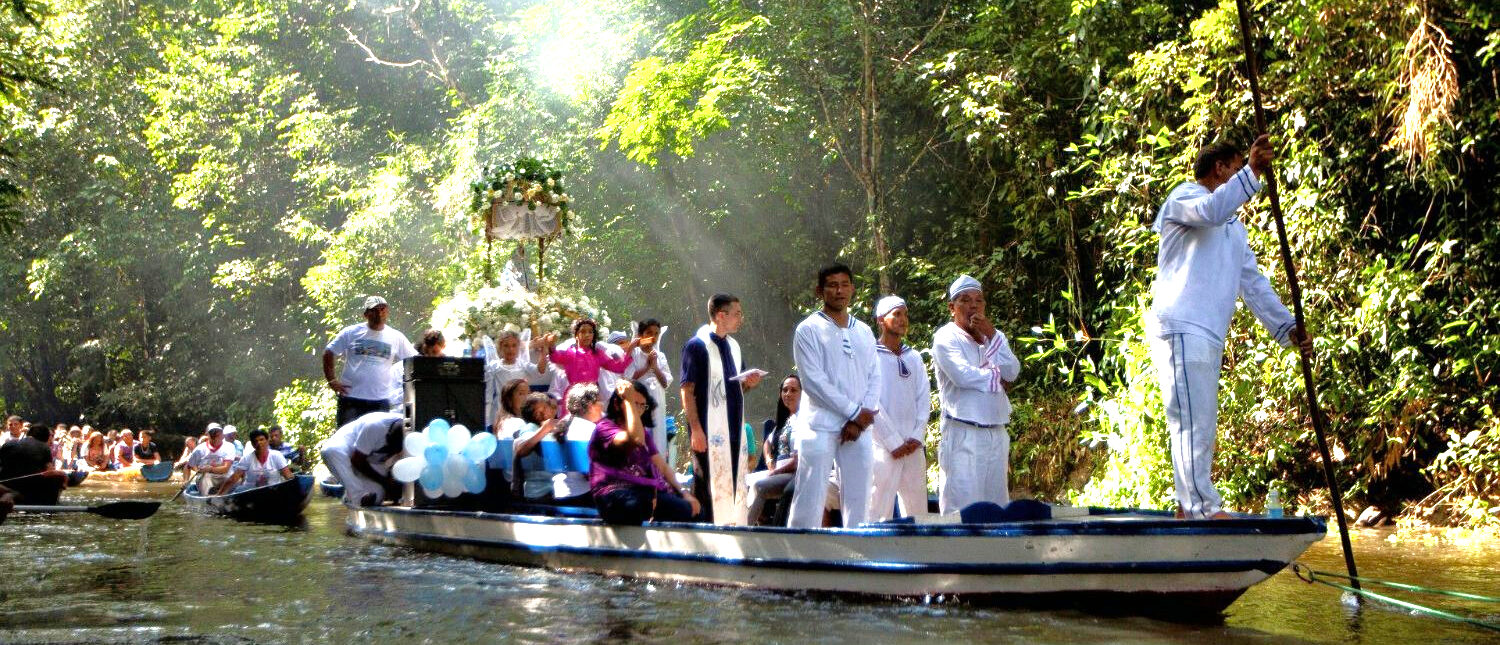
(490, 310)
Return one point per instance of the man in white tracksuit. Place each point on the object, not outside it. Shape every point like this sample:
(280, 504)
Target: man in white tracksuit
(974, 366)
(901, 425)
(1204, 263)
(835, 356)
(357, 454)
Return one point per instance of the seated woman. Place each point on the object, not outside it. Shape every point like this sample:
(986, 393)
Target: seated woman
(629, 479)
(513, 395)
(261, 466)
(566, 488)
(780, 459)
(94, 457)
(539, 423)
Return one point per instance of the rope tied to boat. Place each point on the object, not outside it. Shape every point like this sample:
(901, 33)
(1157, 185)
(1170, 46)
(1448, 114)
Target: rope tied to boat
(1310, 576)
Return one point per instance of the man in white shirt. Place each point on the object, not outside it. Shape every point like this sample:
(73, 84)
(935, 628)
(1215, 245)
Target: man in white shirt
(1204, 263)
(835, 355)
(372, 351)
(14, 431)
(211, 461)
(901, 425)
(357, 454)
(974, 366)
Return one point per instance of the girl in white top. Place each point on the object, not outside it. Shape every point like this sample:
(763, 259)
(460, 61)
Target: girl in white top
(260, 466)
(650, 367)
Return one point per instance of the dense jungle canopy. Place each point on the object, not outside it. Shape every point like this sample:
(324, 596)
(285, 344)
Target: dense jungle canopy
(197, 193)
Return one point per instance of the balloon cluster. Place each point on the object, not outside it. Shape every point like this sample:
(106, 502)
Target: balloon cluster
(445, 459)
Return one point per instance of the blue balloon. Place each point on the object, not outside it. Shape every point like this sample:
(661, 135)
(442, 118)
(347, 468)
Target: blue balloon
(480, 447)
(435, 453)
(474, 478)
(432, 476)
(438, 425)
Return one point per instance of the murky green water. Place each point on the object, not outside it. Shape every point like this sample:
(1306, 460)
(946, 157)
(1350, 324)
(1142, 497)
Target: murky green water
(179, 577)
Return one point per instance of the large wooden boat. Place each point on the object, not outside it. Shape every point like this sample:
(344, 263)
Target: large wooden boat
(1133, 561)
(280, 503)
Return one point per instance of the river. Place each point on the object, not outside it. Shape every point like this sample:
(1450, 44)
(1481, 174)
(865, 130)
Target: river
(184, 578)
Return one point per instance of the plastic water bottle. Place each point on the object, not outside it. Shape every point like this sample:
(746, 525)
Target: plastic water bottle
(1273, 503)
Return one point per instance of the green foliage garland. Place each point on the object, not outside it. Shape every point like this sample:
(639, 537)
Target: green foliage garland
(527, 181)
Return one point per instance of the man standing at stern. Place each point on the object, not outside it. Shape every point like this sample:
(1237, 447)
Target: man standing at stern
(372, 351)
(1204, 263)
(974, 367)
(835, 355)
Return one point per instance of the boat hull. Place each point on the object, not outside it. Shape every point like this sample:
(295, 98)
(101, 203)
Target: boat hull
(331, 489)
(280, 503)
(1138, 563)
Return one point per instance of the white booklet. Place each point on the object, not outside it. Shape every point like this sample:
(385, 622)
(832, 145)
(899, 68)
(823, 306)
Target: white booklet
(748, 373)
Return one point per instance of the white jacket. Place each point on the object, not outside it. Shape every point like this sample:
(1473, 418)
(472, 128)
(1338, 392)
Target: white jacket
(1204, 263)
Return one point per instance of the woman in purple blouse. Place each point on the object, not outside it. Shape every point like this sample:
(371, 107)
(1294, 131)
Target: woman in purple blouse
(630, 481)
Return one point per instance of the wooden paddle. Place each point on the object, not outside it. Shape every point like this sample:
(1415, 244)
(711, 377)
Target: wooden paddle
(112, 510)
(1309, 385)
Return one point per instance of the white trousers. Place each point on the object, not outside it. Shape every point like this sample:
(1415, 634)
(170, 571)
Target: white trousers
(975, 466)
(1188, 367)
(816, 453)
(904, 478)
(356, 486)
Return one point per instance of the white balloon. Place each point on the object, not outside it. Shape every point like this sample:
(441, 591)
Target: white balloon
(408, 469)
(454, 468)
(458, 437)
(415, 443)
(452, 486)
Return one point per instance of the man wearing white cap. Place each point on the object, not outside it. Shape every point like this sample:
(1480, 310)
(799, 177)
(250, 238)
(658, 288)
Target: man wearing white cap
(901, 425)
(373, 351)
(974, 366)
(835, 355)
(210, 460)
(1204, 264)
(358, 454)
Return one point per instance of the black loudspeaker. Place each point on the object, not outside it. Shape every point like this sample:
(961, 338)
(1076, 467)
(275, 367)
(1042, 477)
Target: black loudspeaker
(451, 389)
(447, 388)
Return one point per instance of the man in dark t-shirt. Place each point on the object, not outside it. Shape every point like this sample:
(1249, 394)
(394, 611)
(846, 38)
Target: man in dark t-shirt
(146, 452)
(27, 456)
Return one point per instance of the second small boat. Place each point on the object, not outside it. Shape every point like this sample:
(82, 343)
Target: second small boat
(280, 503)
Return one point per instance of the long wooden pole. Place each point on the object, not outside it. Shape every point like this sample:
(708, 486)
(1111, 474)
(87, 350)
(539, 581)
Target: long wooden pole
(1335, 493)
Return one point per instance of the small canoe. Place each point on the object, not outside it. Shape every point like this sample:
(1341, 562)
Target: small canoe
(331, 489)
(76, 477)
(158, 472)
(128, 474)
(280, 503)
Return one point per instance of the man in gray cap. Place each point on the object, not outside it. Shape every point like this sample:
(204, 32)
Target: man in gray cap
(974, 366)
(372, 351)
